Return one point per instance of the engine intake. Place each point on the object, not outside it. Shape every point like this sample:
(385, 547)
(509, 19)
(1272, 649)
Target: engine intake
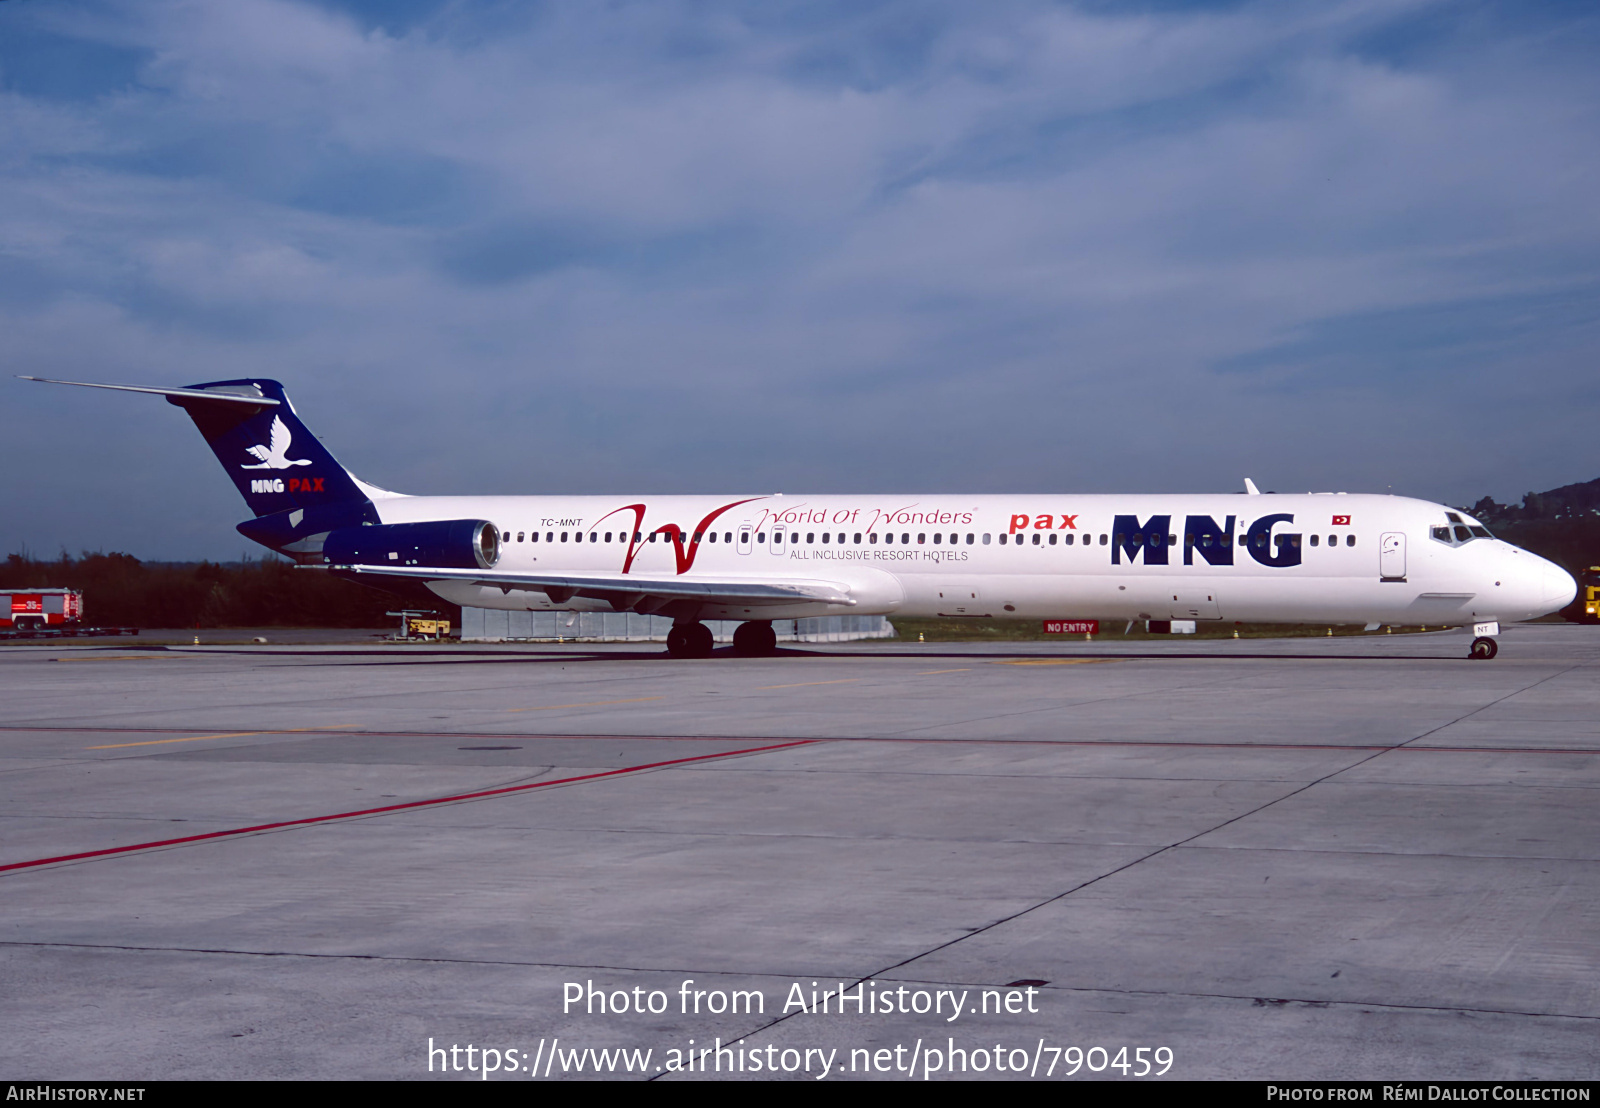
(446, 544)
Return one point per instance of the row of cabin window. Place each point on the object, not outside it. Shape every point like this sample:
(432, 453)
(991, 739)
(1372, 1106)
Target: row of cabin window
(939, 538)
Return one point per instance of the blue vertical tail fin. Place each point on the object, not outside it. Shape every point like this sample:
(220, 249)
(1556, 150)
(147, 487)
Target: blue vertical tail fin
(274, 460)
(296, 488)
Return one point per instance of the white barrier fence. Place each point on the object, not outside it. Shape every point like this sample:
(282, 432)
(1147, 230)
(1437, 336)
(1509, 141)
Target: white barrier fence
(493, 625)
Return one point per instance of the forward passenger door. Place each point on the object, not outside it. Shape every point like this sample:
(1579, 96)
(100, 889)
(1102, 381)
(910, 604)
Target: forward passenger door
(1392, 556)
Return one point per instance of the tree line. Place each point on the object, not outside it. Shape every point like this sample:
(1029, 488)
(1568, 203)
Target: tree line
(119, 590)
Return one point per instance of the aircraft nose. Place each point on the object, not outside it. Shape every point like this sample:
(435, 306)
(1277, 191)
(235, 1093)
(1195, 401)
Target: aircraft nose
(1559, 587)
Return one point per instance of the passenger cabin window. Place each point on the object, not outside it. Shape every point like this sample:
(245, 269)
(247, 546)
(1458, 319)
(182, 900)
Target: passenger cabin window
(519, 536)
(563, 536)
(986, 538)
(1066, 540)
(1349, 540)
(534, 537)
(1315, 539)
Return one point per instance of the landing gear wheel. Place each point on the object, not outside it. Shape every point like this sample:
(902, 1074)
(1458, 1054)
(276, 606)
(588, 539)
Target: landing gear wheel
(755, 639)
(689, 640)
(1483, 649)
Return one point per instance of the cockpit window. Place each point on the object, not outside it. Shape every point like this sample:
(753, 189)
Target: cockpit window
(1461, 530)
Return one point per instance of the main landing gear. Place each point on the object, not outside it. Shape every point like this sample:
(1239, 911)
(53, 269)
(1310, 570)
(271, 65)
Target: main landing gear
(689, 640)
(1483, 649)
(753, 639)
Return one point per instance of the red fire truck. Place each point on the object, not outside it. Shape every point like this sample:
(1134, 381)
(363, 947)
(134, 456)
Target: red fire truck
(36, 609)
(26, 613)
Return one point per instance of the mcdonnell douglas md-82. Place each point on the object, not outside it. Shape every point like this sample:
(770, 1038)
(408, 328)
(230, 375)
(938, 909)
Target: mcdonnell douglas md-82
(1265, 558)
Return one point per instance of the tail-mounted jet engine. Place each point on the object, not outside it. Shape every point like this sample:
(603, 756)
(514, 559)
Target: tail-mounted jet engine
(447, 544)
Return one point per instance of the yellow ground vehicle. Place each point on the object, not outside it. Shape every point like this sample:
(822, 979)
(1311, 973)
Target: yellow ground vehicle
(429, 628)
(421, 624)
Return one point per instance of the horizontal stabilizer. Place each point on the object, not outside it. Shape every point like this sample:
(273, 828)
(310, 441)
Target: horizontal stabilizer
(240, 397)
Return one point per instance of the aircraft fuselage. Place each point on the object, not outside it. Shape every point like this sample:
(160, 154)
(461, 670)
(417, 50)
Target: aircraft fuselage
(1334, 558)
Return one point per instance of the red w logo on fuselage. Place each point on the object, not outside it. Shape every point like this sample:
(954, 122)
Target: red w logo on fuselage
(684, 554)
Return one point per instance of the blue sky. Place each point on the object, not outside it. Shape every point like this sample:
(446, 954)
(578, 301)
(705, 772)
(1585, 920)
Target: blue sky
(672, 247)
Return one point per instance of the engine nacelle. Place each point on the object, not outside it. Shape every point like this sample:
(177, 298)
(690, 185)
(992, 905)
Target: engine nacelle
(446, 544)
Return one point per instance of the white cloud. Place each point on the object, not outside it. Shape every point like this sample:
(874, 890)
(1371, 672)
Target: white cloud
(629, 228)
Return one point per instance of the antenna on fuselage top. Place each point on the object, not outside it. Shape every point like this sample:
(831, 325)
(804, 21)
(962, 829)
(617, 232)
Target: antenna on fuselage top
(1250, 487)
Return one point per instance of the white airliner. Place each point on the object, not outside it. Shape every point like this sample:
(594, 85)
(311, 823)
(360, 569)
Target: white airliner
(1252, 557)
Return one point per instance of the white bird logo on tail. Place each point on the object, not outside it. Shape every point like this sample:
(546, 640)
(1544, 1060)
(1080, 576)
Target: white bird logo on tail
(272, 455)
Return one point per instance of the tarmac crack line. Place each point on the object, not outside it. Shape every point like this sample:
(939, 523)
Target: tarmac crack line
(891, 737)
(1159, 851)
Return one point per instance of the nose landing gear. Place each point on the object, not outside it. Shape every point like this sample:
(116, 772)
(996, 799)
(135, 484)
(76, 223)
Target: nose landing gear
(689, 640)
(1483, 649)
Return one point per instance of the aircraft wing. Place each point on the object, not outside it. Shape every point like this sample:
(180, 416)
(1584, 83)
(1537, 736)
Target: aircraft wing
(627, 591)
